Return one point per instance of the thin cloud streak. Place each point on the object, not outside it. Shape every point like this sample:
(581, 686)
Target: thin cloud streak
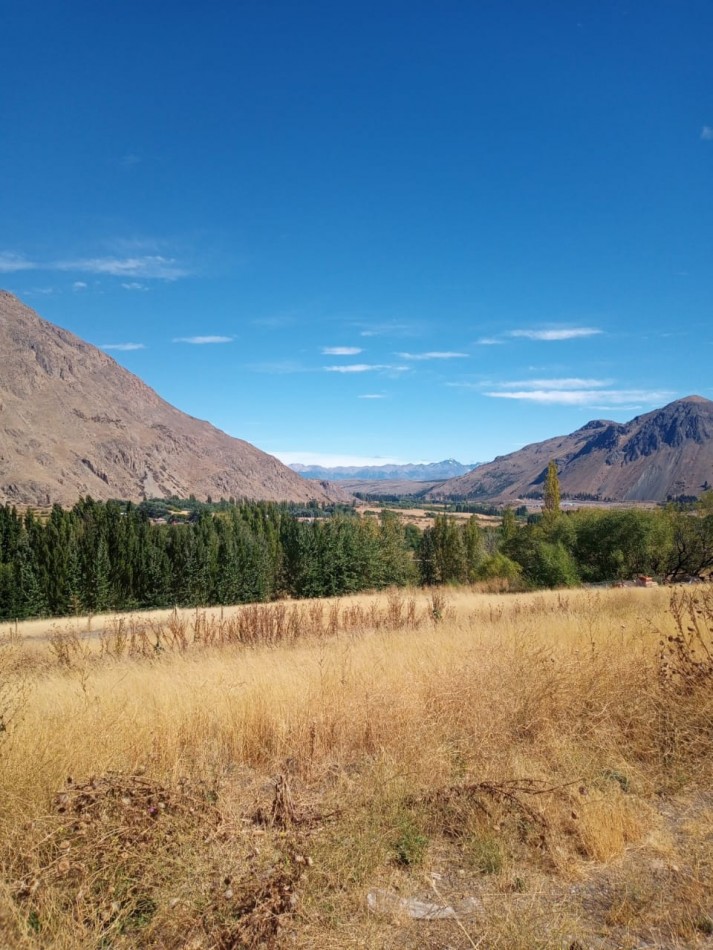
(388, 329)
(202, 340)
(11, 263)
(123, 347)
(601, 398)
(572, 333)
(707, 133)
(341, 350)
(372, 396)
(278, 367)
(432, 355)
(148, 266)
(365, 368)
(556, 384)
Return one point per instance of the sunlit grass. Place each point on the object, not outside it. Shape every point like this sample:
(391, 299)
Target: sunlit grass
(509, 744)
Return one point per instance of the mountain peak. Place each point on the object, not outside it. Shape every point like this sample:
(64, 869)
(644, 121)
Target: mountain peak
(661, 454)
(696, 400)
(74, 422)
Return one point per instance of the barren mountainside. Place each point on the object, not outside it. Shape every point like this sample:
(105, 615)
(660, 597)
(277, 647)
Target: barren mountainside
(73, 422)
(658, 455)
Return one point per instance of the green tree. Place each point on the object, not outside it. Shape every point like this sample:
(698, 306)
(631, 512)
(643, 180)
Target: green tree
(509, 524)
(474, 547)
(551, 503)
(443, 554)
(691, 552)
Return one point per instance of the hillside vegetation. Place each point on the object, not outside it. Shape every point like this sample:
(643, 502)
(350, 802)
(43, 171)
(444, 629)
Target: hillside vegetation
(538, 763)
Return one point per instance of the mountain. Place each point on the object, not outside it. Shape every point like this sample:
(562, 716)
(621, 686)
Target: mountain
(73, 422)
(658, 455)
(412, 472)
(379, 488)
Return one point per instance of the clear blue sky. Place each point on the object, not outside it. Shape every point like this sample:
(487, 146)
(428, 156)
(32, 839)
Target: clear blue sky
(409, 230)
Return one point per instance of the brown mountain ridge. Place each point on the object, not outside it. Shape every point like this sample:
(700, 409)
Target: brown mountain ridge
(656, 456)
(73, 422)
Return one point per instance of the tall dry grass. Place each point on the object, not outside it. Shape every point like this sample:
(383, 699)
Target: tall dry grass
(254, 776)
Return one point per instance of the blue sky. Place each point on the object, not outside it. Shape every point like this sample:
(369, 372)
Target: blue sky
(353, 230)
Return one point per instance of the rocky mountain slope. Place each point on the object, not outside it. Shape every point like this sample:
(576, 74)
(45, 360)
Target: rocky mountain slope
(661, 454)
(73, 422)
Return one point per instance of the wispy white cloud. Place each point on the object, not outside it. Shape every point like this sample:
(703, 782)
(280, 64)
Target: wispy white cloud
(278, 367)
(489, 341)
(594, 398)
(341, 350)
(388, 329)
(560, 384)
(79, 285)
(433, 355)
(148, 266)
(556, 384)
(11, 263)
(278, 321)
(568, 391)
(123, 347)
(372, 396)
(563, 333)
(42, 292)
(707, 133)
(134, 285)
(153, 266)
(202, 340)
(365, 368)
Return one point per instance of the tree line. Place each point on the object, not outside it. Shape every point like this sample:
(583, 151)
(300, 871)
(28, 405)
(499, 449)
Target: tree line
(113, 556)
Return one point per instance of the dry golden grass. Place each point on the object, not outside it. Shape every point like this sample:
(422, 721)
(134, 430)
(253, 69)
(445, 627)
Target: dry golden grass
(548, 754)
(423, 517)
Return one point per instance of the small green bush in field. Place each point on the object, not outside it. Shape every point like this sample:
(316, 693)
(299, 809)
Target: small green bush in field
(410, 846)
(485, 853)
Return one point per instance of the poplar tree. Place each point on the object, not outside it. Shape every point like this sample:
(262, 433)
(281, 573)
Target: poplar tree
(551, 503)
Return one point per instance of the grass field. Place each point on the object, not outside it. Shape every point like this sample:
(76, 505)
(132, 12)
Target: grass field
(535, 767)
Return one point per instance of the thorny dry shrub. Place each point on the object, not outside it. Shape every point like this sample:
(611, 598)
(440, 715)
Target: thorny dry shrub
(94, 857)
(685, 672)
(101, 865)
(67, 646)
(252, 625)
(14, 684)
(687, 656)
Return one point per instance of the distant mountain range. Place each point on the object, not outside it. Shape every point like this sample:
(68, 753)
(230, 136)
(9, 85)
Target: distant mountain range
(412, 472)
(662, 454)
(73, 422)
